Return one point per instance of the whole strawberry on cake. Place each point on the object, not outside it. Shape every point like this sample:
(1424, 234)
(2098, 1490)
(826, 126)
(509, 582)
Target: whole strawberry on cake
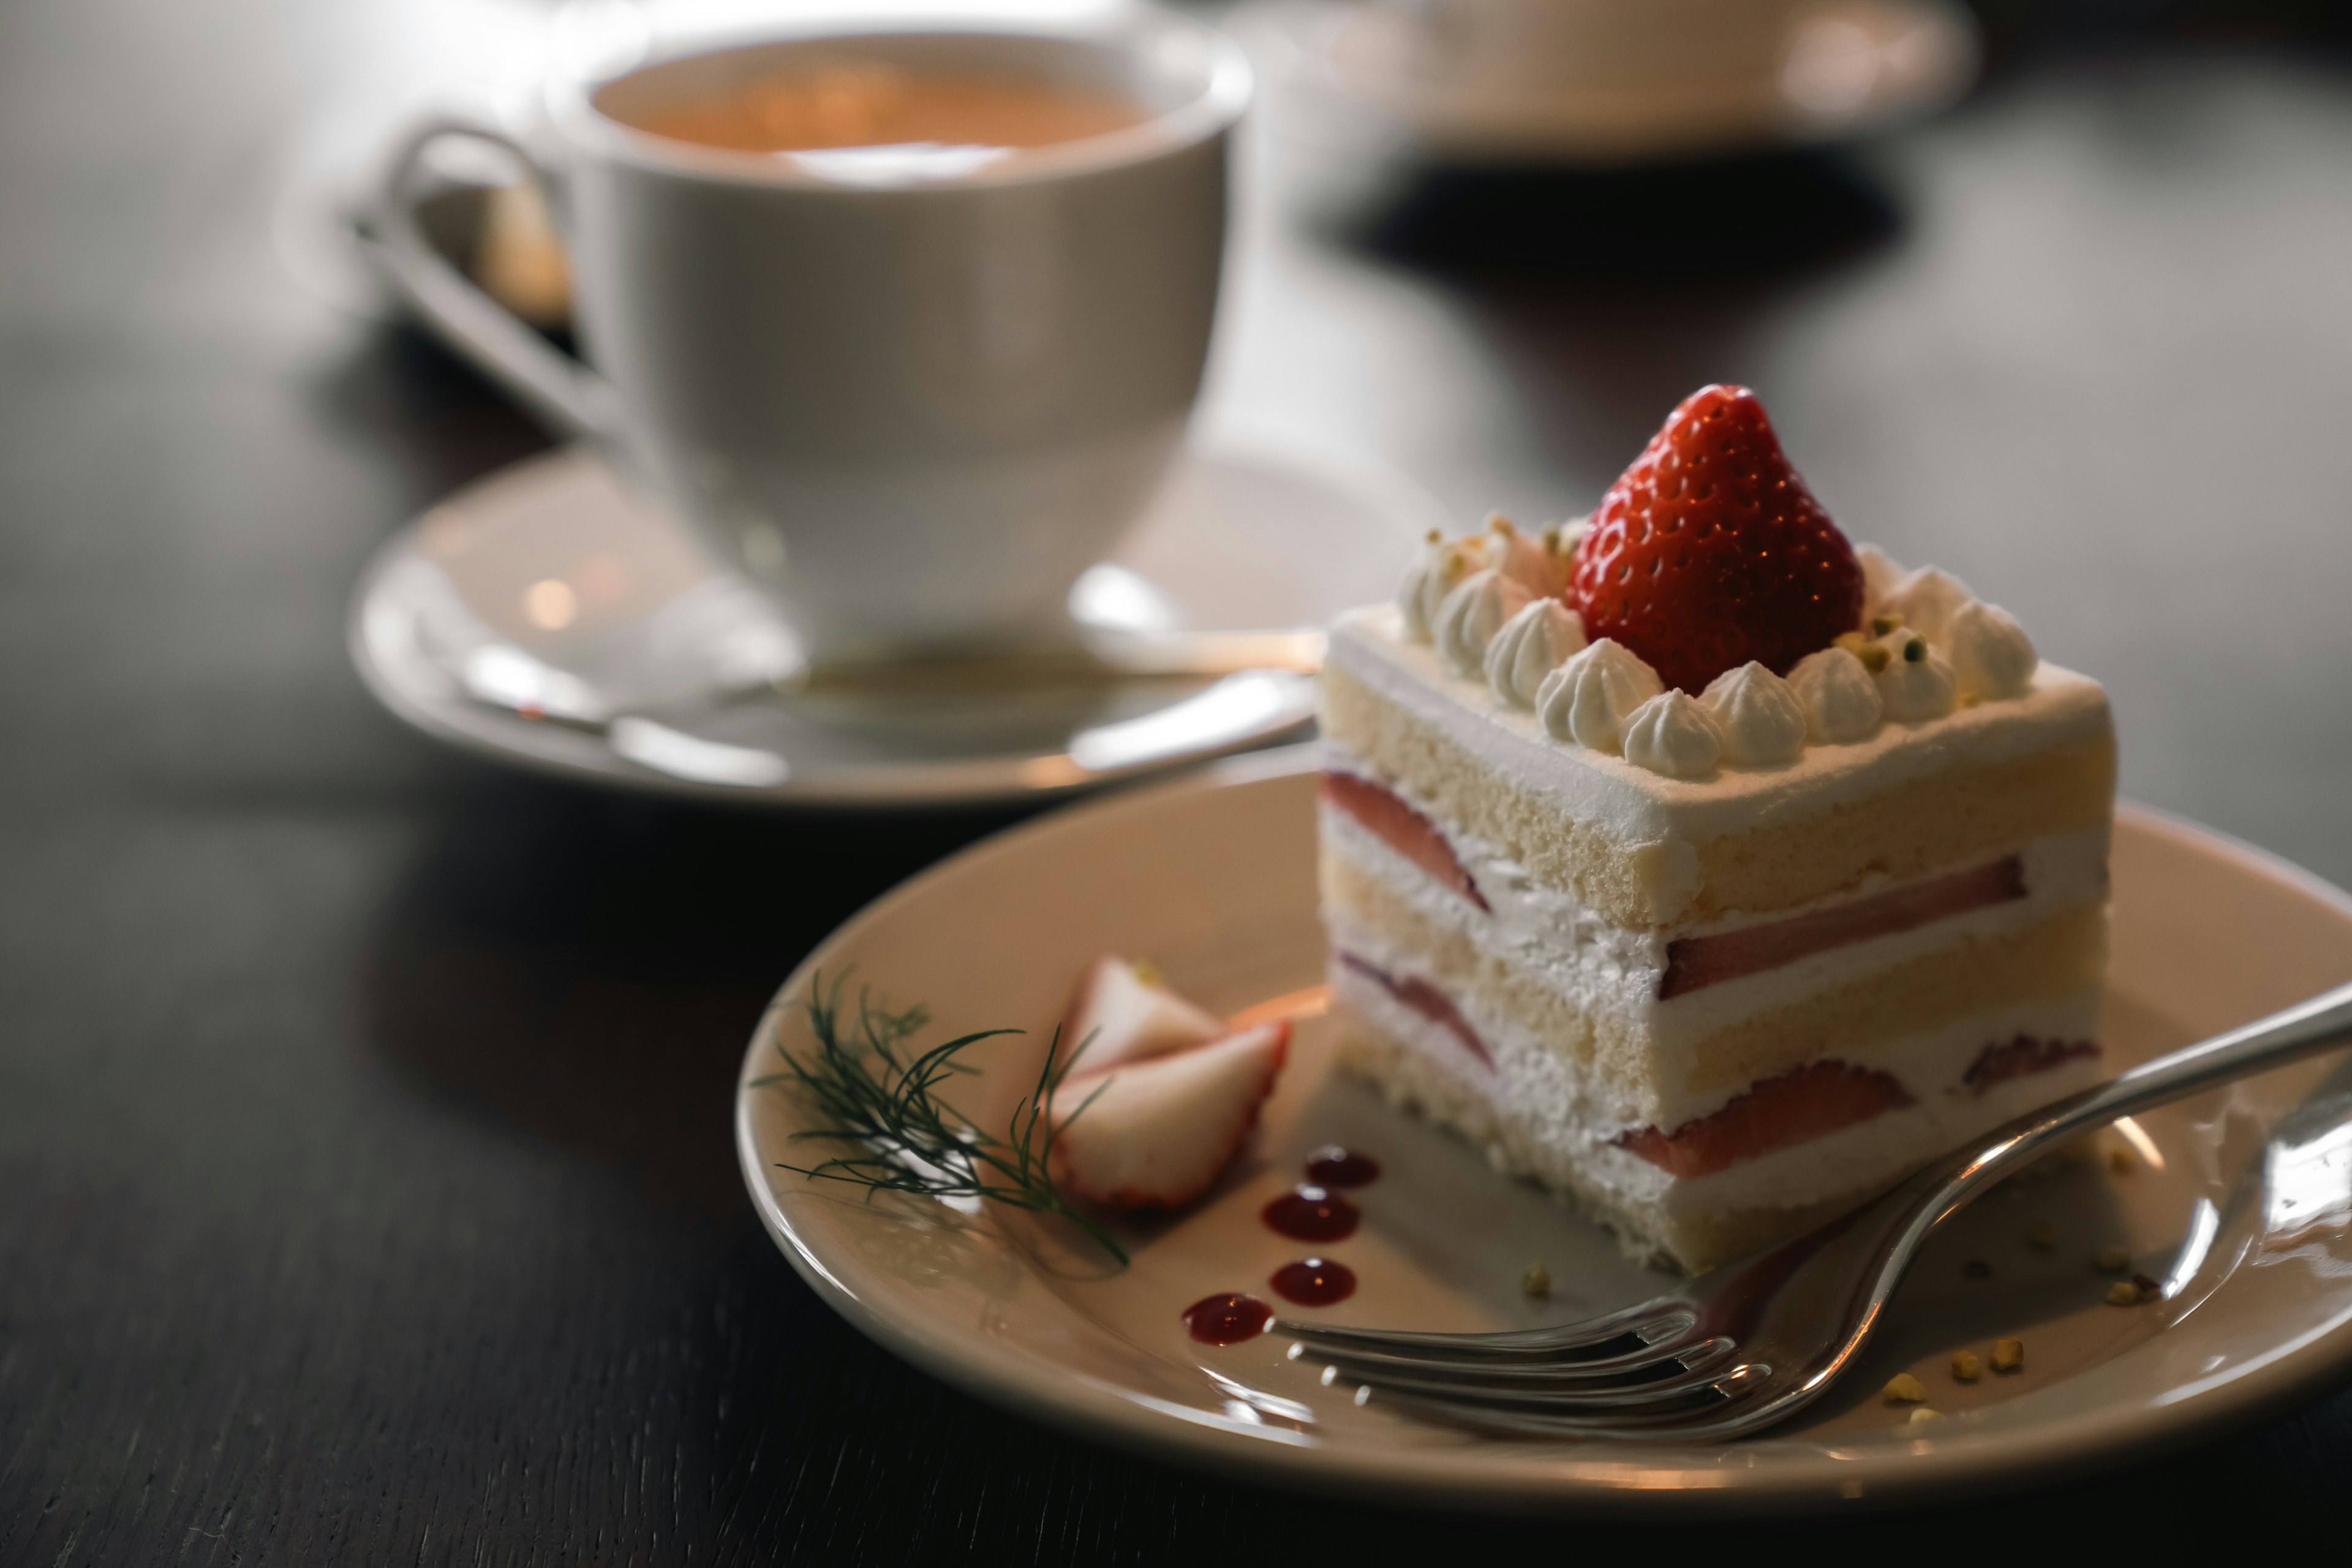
(1704, 867)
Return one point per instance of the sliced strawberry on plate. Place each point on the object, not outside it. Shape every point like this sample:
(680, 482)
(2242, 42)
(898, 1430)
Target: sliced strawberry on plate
(1710, 551)
(1155, 1134)
(1118, 1016)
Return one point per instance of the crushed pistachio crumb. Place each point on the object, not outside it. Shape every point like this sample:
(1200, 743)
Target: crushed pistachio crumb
(2113, 1259)
(2123, 1293)
(1904, 1389)
(1147, 973)
(2149, 1288)
(1915, 651)
(1537, 1280)
(1882, 625)
(2121, 1162)
(1966, 1367)
(1873, 657)
(2008, 1356)
(1922, 1416)
(2043, 1237)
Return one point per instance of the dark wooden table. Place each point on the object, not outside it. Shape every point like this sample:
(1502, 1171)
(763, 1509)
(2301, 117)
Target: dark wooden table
(366, 1186)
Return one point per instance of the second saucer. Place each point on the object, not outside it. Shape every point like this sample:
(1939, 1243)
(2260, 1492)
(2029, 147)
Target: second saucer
(542, 617)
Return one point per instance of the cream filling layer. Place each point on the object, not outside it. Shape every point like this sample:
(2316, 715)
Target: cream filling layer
(1926, 1064)
(1538, 1093)
(1606, 969)
(1638, 806)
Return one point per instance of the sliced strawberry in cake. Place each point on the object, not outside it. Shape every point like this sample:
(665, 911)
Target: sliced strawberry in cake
(1404, 830)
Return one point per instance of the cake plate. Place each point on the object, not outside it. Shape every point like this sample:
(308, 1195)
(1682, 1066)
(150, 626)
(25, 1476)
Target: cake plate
(542, 617)
(2240, 1201)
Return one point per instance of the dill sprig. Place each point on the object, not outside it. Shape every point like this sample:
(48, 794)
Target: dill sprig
(879, 1098)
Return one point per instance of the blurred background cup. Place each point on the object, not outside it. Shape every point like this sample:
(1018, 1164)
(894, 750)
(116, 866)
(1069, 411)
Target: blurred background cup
(912, 377)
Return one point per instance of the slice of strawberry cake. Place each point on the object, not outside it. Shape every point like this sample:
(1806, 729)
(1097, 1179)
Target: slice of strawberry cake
(1703, 866)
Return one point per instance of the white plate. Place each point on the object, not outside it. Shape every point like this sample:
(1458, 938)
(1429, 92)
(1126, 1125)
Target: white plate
(1848, 67)
(540, 616)
(2248, 1217)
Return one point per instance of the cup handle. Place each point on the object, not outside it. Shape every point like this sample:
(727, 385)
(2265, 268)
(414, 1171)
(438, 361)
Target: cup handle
(561, 390)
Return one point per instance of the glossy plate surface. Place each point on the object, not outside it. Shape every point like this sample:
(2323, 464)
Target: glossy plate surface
(543, 618)
(2240, 1201)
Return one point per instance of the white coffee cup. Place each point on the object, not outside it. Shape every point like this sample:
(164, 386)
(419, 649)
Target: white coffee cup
(914, 408)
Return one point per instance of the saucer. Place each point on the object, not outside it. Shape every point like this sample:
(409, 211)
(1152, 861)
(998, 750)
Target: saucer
(2238, 1200)
(1359, 73)
(542, 617)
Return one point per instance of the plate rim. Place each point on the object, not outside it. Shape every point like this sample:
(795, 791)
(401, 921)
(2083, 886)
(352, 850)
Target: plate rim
(2097, 1439)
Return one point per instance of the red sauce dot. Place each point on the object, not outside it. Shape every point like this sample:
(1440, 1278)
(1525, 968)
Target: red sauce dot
(1333, 1166)
(1227, 1319)
(1314, 1282)
(1312, 1214)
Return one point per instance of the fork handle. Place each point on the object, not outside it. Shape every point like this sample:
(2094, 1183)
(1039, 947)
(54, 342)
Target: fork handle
(2307, 1028)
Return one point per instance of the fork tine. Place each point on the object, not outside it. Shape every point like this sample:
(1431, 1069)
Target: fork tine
(1689, 1353)
(1739, 1387)
(1651, 1324)
(1682, 1389)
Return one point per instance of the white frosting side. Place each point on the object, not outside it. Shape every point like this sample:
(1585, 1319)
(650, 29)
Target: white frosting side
(1531, 645)
(1761, 720)
(1676, 734)
(1542, 1094)
(1635, 805)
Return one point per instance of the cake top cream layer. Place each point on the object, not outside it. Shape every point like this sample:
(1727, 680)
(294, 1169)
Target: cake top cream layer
(1634, 804)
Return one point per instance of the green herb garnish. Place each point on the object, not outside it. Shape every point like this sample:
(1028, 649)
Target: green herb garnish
(879, 1097)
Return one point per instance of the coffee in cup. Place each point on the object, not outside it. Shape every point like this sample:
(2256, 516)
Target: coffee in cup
(854, 102)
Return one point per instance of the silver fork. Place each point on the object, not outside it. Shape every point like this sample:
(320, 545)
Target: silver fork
(1752, 1343)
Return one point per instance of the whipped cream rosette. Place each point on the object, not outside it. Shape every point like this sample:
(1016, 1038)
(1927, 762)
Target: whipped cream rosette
(1541, 637)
